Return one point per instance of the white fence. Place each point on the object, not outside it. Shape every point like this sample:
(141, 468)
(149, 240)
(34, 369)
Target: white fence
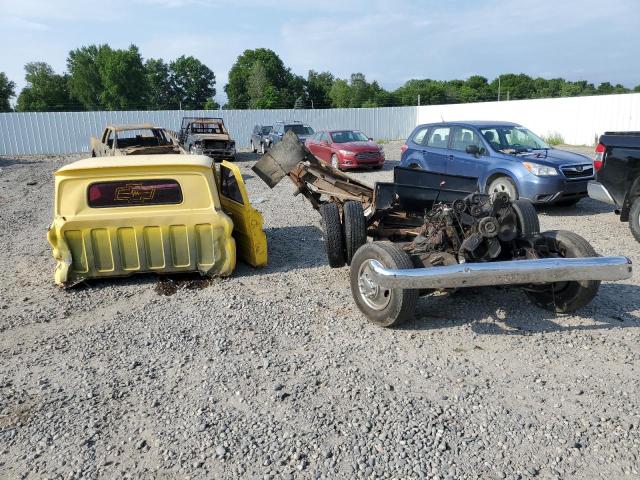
(69, 132)
(578, 119)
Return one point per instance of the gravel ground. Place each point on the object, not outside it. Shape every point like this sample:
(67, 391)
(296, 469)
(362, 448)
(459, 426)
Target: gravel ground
(274, 373)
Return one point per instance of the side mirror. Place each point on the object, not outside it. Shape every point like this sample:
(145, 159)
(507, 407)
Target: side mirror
(473, 149)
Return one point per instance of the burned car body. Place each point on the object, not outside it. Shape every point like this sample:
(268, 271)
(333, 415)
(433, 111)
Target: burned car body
(141, 139)
(434, 231)
(207, 136)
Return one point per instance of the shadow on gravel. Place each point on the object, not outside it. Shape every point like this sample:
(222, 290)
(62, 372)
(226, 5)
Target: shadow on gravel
(507, 311)
(585, 207)
(290, 248)
(246, 157)
(7, 162)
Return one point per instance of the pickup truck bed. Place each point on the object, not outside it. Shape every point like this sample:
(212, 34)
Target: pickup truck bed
(617, 179)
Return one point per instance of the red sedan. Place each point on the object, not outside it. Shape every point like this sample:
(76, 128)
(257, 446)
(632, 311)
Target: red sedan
(346, 149)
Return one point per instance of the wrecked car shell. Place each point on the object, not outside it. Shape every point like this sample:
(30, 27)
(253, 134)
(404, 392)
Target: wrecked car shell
(140, 139)
(207, 136)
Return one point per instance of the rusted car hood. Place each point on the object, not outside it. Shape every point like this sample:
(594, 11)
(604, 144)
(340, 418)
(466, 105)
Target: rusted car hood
(210, 136)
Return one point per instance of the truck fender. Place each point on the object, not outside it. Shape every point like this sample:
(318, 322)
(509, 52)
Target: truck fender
(632, 194)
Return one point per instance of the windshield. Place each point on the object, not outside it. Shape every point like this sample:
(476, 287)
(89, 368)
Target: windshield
(266, 130)
(207, 128)
(348, 136)
(299, 129)
(512, 139)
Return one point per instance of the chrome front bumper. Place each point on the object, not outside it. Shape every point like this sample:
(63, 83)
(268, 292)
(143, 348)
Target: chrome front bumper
(514, 272)
(598, 191)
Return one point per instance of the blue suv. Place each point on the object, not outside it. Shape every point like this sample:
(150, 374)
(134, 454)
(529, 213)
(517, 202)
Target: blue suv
(503, 156)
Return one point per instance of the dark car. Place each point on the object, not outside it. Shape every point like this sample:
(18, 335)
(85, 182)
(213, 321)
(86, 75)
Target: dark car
(504, 157)
(259, 138)
(301, 130)
(346, 149)
(617, 182)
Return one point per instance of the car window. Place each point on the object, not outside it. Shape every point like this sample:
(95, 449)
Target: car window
(439, 137)
(229, 185)
(492, 137)
(324, 137)
(266, 130)
(420, 135)
(463, 137)
(129, 193)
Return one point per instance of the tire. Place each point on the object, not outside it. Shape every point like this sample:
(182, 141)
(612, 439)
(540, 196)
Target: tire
(383, 307)
(567, 203)
(253, 147)
(634, 219)
(528, 222)
(503, 184)
(333, 238)
(355, 229)
(335, 163)
(565, 297)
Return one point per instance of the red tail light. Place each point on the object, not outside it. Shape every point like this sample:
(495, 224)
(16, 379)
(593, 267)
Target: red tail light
(404, 148)
(598, 161)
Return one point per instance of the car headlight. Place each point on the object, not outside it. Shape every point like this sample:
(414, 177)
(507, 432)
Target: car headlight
(540, 170)
(347, 153)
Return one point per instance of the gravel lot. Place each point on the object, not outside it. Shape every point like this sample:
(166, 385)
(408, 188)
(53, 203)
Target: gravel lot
(274, 373)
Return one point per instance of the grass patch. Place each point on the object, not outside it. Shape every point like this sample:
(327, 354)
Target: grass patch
(382, 142)
(554, 138)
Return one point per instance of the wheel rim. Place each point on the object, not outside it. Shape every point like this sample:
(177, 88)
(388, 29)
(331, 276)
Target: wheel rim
(262, 148)
(501, 186)
(372, 294)
(334, 162)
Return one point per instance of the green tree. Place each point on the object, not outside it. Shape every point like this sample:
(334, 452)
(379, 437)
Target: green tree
(101, 77)
(85, 82)
(431, 92)
(261, 93)
(7, 91)
(340, 94)
(318, 88)
(123, 79)
(193, 83)
(284, 85)
(45, 90)
(159, 94)
(637, 88)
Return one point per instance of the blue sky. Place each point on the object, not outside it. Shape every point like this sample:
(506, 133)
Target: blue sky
(390, 41)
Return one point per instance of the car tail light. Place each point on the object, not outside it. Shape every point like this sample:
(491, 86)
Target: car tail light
(404, 148)
(598, 161)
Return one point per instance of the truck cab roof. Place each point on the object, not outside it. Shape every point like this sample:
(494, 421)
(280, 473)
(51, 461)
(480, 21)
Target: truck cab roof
(135, 161)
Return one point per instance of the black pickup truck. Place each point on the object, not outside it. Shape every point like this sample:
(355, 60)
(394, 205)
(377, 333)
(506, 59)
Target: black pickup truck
(617, 166)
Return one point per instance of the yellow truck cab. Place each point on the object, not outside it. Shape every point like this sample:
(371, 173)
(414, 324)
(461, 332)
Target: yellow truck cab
(117, 216)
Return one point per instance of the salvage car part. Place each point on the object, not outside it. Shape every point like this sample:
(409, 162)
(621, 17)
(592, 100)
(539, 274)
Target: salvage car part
(383, 306)
(454, 237)
(480, 241)
(333, 241)
(166, 214)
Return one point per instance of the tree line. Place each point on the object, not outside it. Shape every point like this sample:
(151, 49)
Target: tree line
(99, 77)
